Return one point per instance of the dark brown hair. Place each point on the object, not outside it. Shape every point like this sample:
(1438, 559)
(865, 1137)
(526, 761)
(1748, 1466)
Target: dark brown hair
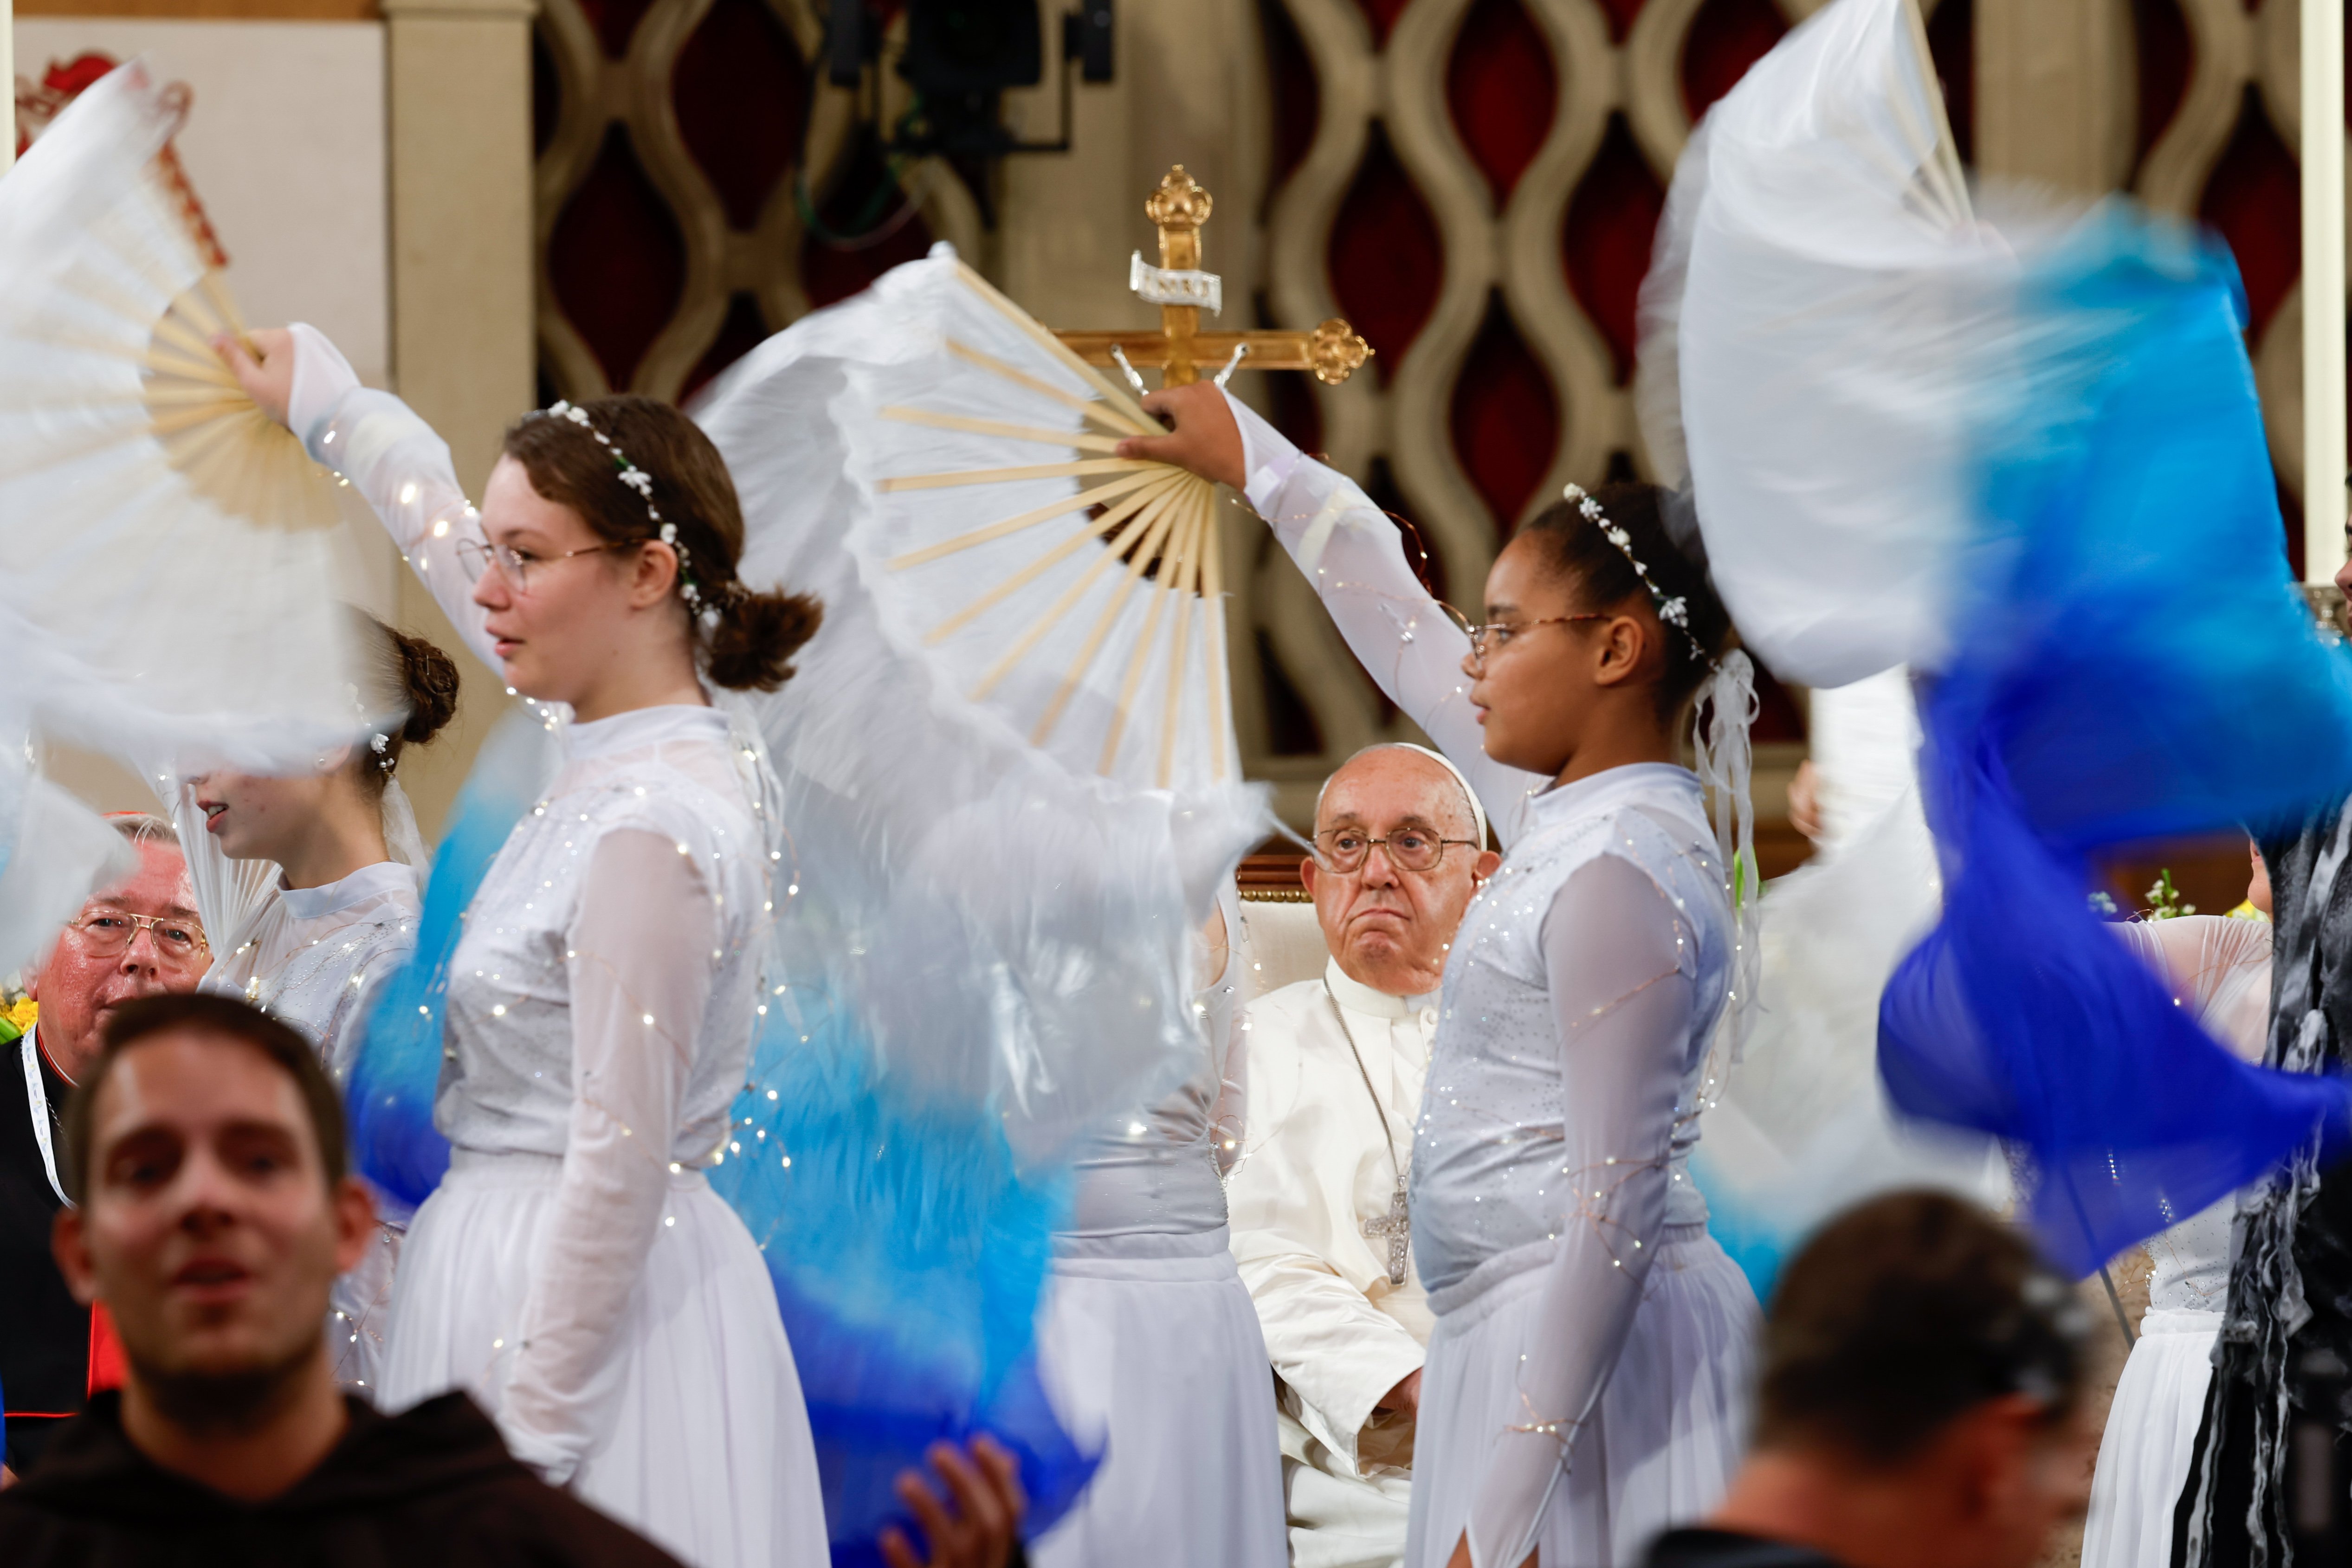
(410, 677)
(1576, 549)
(200, 1012)
(756, 633)
(1902, 1315)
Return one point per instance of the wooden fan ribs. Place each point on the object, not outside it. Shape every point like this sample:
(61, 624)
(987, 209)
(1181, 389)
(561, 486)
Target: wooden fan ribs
(1157, 520)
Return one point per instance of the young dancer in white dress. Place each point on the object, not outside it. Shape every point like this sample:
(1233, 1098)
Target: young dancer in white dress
(574, 1269)
(336, 912)
(1149, 1344)
(1586, 1381)
(2220, 967)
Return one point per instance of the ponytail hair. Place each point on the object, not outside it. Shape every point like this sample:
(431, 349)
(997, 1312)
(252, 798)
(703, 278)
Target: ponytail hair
(744, 639)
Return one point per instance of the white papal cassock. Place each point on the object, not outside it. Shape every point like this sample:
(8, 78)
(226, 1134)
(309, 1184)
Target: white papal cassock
(1335, 1076)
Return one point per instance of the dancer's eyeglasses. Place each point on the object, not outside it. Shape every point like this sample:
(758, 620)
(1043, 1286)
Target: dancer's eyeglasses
(515, 566)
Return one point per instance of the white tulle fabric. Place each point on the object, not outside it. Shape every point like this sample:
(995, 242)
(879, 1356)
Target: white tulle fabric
(2220, 968)
(1580, 1008)
(1816, 266)
(968, 862)
(575, 1273)
(142, 619)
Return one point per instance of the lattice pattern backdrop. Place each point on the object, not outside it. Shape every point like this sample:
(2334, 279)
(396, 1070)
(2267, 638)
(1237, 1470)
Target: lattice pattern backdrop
(692, 162)
(1473, 183)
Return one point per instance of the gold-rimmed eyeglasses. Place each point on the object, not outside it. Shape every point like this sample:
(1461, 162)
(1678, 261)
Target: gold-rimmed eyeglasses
(478, 557)
(109, 934)
(1494, 634)
(1345, 850)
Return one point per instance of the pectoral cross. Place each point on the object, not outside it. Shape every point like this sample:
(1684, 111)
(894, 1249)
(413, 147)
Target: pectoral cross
(1396, 1227)
(1181, 289)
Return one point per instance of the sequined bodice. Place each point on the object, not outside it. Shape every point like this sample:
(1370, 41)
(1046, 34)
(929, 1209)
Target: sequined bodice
(1485, 1173)
(506, 1086)
(309, 955)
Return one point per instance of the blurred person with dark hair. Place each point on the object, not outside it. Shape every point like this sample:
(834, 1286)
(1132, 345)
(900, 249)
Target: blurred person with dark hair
(140, 937)
(207, 1152)
(1920, 1404)
(314, 882)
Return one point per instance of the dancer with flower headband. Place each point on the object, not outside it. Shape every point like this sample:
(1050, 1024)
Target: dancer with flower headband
(1553, 1220)
(573, 1271)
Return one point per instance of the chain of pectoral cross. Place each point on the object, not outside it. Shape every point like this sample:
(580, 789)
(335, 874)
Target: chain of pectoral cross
(1395, 1227)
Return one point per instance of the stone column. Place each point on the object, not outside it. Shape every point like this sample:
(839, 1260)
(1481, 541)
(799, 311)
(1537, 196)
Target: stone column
(463, 299)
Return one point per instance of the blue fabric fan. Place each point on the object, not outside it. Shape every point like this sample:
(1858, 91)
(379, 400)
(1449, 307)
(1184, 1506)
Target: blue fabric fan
(2015, 448)
(2135, 662)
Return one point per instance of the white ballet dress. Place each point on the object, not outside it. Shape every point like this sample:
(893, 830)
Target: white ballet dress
(1587, 1383)
(574, 1272)
(1149, 1346)
(310, 957)
(2221, 968)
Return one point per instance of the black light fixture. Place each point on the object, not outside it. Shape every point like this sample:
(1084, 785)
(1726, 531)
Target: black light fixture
(960, 58)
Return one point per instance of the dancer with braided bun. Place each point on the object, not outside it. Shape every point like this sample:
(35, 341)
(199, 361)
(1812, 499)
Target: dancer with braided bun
(1586, 1381)
(573, 1271)
(333, 910)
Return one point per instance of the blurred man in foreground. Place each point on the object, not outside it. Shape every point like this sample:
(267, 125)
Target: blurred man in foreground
(1920, 1406)
(205, 1153)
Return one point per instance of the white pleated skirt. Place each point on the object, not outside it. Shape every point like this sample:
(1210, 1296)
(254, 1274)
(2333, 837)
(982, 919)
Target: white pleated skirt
(2151, 1432)
(1660, 1451)
(707, 1450)
(1149, 1348)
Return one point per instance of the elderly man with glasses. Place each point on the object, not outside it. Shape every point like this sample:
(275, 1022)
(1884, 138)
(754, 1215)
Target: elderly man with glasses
(1335, 1069)
(137, 938)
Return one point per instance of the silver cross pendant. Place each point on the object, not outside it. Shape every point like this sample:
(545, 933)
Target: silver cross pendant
(1396, 1227)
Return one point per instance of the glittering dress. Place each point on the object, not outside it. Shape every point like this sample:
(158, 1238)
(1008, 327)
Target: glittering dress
(2221, 968)
(1149, 1344)
(574, 1270)
(1586, 1385)
(307, 957)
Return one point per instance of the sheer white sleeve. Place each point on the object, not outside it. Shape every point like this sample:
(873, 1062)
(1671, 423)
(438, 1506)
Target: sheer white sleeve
(395, 460)
(1623, 1003)
(1354, 557)
(640, 960)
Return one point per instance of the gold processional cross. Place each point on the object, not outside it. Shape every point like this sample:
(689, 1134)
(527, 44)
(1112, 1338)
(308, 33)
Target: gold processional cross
(1181, 289)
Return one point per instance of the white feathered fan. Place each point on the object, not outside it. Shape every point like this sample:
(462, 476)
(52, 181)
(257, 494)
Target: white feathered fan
(1073, 593)
(170, 554)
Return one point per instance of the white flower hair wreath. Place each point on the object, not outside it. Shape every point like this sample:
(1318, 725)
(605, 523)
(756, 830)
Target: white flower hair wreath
(637, 479)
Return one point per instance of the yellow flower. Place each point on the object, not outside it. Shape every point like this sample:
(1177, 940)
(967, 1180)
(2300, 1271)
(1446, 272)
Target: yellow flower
(23, 1013)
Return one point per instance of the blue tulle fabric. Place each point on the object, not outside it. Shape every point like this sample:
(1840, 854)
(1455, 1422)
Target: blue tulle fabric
(2133, 660)
(908, 1256)
(397, 1071)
